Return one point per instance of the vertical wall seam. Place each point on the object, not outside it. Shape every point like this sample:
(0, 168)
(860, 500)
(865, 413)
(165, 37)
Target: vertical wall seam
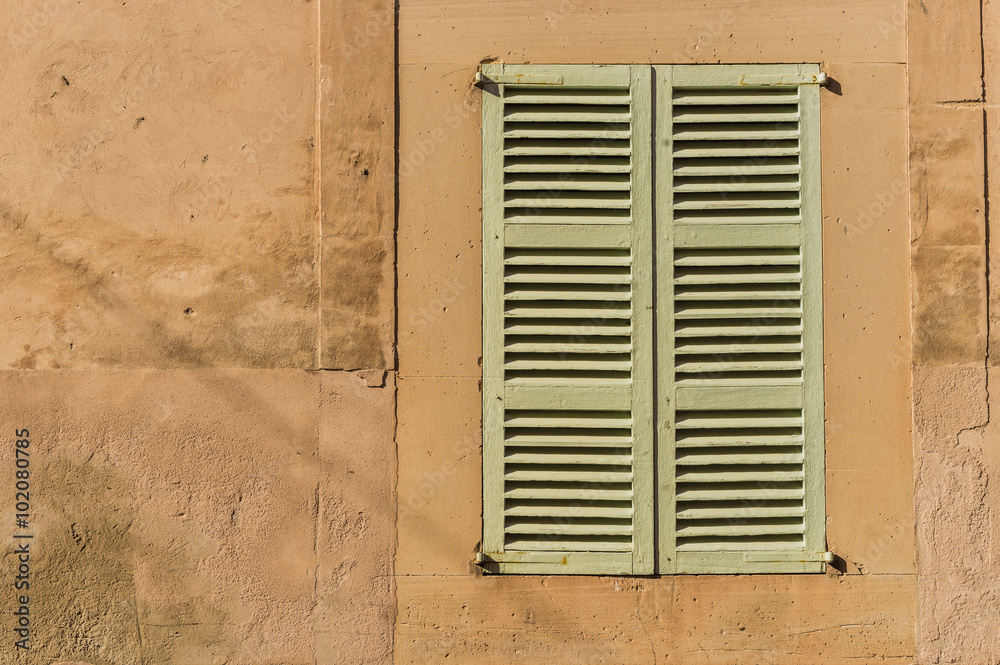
(986, 198)
(986, 215)
(395, 345)
(395, 184)
(317, 514)
(318, 180)
(642, 624)
(395, 520)
(913, 405)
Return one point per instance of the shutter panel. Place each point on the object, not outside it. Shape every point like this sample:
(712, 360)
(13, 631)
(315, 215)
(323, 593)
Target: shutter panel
(740, 320)
(567, 322)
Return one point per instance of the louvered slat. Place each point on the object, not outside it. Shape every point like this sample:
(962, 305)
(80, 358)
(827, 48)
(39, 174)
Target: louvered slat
(580, 480)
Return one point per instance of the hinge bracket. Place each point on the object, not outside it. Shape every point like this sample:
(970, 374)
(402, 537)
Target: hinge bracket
(536, 557)
(519, 79)
(775, 557)
(779, 80)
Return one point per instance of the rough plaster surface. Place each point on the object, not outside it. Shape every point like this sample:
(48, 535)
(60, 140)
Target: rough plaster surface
(175, 194)
(947, 195)
(866, 319)
(953, 151)
(196, 205)
(955, 445)
(157, 186)
(681, 31)
(687, 620)
(357, 204)
(355, 527)
(440, 476)
(166, 198)
(207, 516)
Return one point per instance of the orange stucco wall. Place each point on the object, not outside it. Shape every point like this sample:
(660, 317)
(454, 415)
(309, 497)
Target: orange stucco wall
(196, 223)
(446, 609)
(240, 244)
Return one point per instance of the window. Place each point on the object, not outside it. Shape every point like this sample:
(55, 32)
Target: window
(652, 321)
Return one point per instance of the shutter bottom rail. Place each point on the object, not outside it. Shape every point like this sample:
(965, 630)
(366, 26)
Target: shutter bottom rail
(557, 563)
(749, 562)
(689, 563)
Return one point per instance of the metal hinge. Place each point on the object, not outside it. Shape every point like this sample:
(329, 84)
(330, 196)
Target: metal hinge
(765, 80)
(537, 557)
(775, 557)
(784, 80)
(522, 79)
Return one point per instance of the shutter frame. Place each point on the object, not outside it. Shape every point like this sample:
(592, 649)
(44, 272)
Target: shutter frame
(500, 399)
(807, 237)
(812, 319)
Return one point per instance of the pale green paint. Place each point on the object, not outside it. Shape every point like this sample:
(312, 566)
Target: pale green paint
(715, 76)
(530, 403)
(493, 373)
(749, 235)
(570, 236)
(589, 397)
(722, 563)
(664, 242)
(573, 76)
(756, 551)
(568, 563)
(746, 397)
(608, 85)
(642, 321)
(527, 79)
(812, 318)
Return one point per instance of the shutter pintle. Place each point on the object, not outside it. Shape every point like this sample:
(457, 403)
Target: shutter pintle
(519, 79)
(820, 79)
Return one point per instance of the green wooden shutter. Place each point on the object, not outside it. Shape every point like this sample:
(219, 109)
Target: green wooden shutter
(567, 321)
(740, 431)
